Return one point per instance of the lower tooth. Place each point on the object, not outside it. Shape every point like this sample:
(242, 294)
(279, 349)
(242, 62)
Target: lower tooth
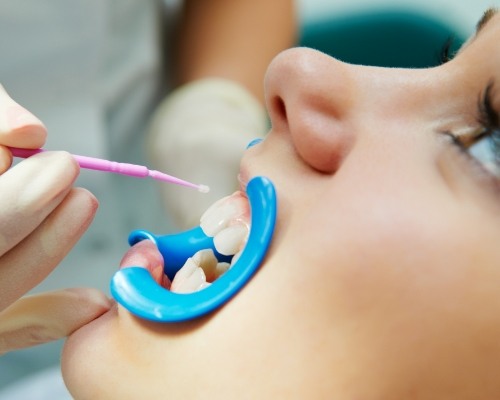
(235, 258)
(206, 260)
(221, 268)
(198, 271)
(190, 278)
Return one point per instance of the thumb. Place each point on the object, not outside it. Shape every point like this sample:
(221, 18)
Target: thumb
(18, 126)
(45, 317)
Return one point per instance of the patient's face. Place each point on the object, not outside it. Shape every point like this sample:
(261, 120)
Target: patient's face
(383, 277)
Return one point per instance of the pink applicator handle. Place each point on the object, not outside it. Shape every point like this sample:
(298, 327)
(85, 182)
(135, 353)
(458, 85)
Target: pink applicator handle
(98, 164)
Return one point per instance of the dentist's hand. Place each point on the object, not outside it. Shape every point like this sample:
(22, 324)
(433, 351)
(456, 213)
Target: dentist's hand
(41, 218)
(199, 133)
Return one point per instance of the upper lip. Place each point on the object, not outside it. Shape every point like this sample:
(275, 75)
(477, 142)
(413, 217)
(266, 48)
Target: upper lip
(243, 179)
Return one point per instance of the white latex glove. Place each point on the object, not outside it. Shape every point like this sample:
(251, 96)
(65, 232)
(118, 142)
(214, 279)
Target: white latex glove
(199, 134)
(48, 316)
(41, 217)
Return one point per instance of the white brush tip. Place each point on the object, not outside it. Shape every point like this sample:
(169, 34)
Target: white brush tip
(203, 188)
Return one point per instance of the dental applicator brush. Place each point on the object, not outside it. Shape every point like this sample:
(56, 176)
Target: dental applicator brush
(98, 164)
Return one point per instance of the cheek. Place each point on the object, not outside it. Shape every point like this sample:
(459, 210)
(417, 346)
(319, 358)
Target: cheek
(395, 267)
(378, 252)
(406, 286)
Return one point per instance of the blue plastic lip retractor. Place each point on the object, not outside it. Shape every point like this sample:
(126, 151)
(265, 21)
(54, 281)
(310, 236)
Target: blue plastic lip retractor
(136, 290)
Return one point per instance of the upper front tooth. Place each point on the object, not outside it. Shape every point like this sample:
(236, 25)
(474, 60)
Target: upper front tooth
(223, 212)
(231, 240)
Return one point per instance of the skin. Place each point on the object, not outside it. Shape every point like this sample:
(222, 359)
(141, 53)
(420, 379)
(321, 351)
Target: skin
(394, 292)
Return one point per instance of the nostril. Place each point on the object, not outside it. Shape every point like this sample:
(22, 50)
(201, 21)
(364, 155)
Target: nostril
(279, 109)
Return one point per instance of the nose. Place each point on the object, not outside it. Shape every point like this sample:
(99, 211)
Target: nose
(309, 95)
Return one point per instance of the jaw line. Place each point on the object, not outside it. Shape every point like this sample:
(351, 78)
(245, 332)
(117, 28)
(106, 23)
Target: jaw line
(136, 290)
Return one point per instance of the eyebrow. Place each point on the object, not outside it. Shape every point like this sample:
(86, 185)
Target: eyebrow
(483, 21)
(487, 16)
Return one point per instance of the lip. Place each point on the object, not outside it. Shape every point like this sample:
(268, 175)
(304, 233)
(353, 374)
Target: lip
(243, 181)
(136, 289)
(145, 254)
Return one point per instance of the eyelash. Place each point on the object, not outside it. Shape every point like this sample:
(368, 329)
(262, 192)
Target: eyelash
(489, 122)
(445, 54)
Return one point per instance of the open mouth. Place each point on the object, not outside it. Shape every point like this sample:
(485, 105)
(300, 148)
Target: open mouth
(228, 222)
(208, 252)
(206, 266)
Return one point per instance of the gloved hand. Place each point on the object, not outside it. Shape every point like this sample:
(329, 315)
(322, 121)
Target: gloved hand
(199, 134)
(41, 218)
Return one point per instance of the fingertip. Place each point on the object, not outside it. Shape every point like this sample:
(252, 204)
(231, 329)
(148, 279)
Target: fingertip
(61, 165)
(20, 127)
(67, 159)
(87, 194)
(81, 207)
(44, 317)
(86, 198)
(5, 159)
(28, 130)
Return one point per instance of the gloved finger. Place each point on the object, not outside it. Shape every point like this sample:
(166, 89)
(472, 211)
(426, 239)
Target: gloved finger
(49, 316)
(27, 264)
(185, 206)
(30, 191)
(199, 133)
(19, 127)
(5, 159)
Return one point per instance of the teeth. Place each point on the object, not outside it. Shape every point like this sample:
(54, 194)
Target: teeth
(206, 260)
(227, 222)
(223, 212)
(190, 278)
(197, 272)
(235, 258)
(221, 268)
(231, 240)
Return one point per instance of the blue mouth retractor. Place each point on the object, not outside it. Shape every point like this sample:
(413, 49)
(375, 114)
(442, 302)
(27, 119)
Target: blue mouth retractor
(136, 290)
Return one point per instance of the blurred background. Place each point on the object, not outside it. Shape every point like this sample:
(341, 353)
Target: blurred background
(400, 33)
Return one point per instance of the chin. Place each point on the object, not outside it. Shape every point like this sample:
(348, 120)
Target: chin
(85, 361)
